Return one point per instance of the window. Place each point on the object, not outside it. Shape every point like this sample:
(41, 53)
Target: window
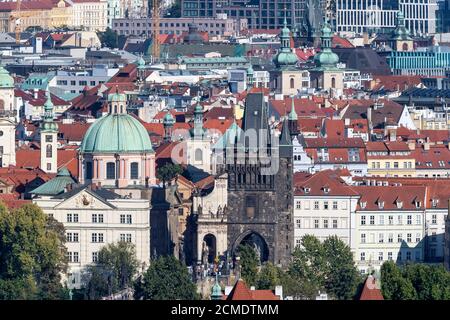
(391, 237)
(110, 170)
(363, 238)
(134, 170)
(363, 256)
(69, 217)
(325, 223)
(399, 237)
(325, 205)
(363, 220)
(389, 256)
(388, 165)
(381, 238)
(88, 170)
(49, 166)
(408, 255)
(48, 151)
(418, 237)
(100, 237)
(292, 83)
(399, 256)
(391, 220)
(94, 237)
(433, 219)
(69, 237)
(94, 218)
(316, 205)
(335, 224)
(73, 256)
(298, 205)
(418, 219)
(75, 217)
(417, 255)
(94, 256)
(396, 165)
(298, 242)
(122, 218)
(399, 220)
(298, 223)
(372, 219)
(408, 237)
(381, 220)
(335, 205)
(198, 155)
(316, 223)
(129, 219)
(100, 218)
(380, 256)
(409, 219)
(126, 237)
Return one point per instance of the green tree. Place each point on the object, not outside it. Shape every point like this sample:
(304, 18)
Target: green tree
(269, 277)
(308, 268)
(248, 262)
(114, 270)
(166, 279)
(430, 282)
(342, 277)
(32, 254)
(393, 285)
(168, 172)
(110, 38)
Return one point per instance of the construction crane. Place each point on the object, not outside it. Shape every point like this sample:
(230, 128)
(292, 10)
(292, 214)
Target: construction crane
(16, 18)
(156, 46)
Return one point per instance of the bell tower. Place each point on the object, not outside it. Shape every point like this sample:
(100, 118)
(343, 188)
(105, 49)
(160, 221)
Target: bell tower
(7, 120)
(49, 139)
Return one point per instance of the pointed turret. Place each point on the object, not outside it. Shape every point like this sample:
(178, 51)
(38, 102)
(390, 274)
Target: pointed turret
(49, 137)
(292, 119)
(285, 141)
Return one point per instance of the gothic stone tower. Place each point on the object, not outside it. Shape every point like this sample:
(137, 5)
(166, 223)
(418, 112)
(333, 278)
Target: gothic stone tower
(260, 205)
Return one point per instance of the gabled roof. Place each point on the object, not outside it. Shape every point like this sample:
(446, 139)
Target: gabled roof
(57, 185)
(322, 183)
(240, 291)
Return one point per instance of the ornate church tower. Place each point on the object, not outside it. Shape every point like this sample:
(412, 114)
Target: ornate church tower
(49, 139)
(7, 120)
(260, 187)
(198, 147)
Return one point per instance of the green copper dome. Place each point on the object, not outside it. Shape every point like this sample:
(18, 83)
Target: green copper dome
(116, 133)
(285, 57)
(117, 97)
(326, 58)
(401, 32)
(216, 293)
(6, 81)
(140, 62)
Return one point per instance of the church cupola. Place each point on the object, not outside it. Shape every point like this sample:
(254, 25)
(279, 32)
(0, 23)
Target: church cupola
(401, 39)
(117, 102)
(168, 123)
(198, 131)
(250, 75)
(326, 58)
(285, 58)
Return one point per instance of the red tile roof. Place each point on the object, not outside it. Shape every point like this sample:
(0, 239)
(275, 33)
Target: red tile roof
(31, 159)
(73, 131)
(322, 183)
(241, 292)
(371, 290)
(303, 108)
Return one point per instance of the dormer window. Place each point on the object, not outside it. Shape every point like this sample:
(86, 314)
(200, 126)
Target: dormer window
(363, 204)
(380, 204)
(435, 202)
(326, 190)
(399, 204)
(418, 204)
(307, 190)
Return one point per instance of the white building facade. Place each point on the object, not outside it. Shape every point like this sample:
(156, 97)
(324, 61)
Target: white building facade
(92, 220)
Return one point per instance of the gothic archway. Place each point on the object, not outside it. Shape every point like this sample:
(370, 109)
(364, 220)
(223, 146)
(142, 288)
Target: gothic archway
(209, 250)
(254, 240)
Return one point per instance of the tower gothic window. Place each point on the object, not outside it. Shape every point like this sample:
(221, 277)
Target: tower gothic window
(250, 204)
(48, 151)
(110, 170)
(198, 155)
(292, 83)
(134, 170)
(48, 138)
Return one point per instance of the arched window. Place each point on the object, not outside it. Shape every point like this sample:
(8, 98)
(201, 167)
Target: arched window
(292, 83)
(110, 170)
(134, 170)
(48, 151)
(2, 105)
(198, 155)
(333, 82)
(115, 109)
(405, 46)
(88, 175)
(121, 108)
